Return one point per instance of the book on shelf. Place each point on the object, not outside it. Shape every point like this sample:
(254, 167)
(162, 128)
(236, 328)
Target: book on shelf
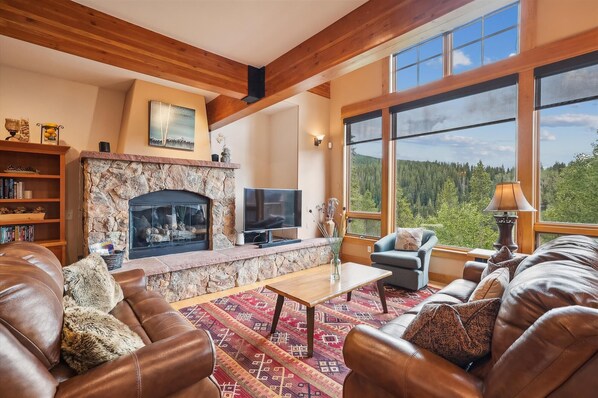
(12, 233)
(11, 189)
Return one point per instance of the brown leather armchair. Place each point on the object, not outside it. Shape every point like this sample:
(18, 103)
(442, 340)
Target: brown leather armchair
(177, 361)
(544, 344)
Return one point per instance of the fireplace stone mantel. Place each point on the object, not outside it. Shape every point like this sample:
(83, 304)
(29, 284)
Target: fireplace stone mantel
(110, 180)
(156, 159)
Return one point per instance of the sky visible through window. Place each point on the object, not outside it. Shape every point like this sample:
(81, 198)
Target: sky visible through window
(480, 42)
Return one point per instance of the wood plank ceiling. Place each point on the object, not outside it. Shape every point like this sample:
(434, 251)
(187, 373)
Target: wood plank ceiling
(351, 42)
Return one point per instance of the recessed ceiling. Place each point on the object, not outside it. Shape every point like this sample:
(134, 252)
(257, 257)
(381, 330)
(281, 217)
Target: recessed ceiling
(253, 32)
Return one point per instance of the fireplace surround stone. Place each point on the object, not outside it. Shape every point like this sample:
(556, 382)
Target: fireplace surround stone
(111, 180)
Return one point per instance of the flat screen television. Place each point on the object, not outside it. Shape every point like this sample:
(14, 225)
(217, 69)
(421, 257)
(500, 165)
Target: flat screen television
(271, 209)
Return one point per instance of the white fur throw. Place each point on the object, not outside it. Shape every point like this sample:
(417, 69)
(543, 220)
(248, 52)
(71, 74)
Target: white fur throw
(89, 283)
(91, 337)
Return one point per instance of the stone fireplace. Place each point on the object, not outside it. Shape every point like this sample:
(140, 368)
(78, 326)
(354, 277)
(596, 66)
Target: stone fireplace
(197, 209)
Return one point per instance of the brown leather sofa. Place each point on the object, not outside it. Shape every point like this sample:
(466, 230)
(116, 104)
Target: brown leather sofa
(544, 343)
(177, 361)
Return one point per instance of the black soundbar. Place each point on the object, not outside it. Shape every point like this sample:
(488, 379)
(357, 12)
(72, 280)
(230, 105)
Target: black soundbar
(278, 243)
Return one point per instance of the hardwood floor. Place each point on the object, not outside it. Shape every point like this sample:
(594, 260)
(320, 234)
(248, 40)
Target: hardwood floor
(213, 296)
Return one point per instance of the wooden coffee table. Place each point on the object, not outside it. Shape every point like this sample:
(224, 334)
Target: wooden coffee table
(313, 289)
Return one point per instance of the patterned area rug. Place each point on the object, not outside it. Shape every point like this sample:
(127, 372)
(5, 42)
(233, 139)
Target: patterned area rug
(253, 363)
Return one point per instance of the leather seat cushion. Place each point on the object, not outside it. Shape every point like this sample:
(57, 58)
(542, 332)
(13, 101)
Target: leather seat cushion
(125, 314)
(437, 298)
(460, 289)
(157, 318)
(401, 259)
(397, 326)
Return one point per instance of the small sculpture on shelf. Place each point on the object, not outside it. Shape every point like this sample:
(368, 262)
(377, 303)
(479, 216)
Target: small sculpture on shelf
(12, 126)
(5, 210)
(21, 169)
(23, 135)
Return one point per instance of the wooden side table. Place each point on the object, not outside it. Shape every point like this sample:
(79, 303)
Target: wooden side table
(482, 255)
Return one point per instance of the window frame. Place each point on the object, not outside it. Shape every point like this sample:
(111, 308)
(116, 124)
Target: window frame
(448, 47)
(563, 66)
(361, 215)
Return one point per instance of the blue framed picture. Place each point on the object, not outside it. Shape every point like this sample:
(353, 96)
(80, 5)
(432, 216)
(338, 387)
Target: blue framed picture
(171, 126)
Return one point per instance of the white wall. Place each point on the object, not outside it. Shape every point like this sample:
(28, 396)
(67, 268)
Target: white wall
(88, 113)
(276, 150)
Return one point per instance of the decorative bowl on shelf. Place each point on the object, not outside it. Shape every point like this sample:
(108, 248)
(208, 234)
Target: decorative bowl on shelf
(22, 217)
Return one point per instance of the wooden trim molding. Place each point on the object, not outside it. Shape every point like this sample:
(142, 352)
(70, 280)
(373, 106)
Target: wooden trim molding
(79, 30)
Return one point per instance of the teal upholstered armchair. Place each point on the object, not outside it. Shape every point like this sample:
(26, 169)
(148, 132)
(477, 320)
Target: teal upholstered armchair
(409, 268)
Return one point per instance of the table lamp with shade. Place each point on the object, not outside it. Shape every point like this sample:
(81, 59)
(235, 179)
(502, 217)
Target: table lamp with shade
(508, 197)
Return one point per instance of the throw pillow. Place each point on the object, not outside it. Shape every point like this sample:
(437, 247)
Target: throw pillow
(90, 284)
(460, 333)
(409, 239)
(91, 337)
(503, 254)
(492, 286)
(510, 264)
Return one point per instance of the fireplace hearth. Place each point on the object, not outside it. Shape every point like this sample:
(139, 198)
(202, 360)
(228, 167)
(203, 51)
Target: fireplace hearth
(168, 221)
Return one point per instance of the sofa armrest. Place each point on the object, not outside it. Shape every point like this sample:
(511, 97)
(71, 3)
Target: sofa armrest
(156, 370)
(131, 281)
(385, 244)
(403, 369)
(473, 271)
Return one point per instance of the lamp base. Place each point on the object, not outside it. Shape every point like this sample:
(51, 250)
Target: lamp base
(505, 225)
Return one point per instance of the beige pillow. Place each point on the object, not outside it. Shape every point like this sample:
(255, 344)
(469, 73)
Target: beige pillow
(409, 239)
(91, 337)
(460, 333)
(89, 283)
(492, 286)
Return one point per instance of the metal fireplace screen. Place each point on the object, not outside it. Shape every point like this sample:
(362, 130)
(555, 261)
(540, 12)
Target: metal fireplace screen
(167, 222)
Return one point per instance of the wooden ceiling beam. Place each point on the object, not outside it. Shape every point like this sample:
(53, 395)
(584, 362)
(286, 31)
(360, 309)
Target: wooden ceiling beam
(322, 90)
(82, 31)
(365, 35)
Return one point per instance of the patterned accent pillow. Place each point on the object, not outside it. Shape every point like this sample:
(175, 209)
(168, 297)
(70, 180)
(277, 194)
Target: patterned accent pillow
(503, 254)
(460, 333)
(492, 286)
(409, 239)
(510, 264)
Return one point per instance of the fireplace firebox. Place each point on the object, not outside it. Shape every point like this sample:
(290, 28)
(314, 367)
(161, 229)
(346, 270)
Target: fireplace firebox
(168, 221)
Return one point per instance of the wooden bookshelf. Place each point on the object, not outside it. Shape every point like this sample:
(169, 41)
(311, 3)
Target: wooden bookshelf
(48, 188)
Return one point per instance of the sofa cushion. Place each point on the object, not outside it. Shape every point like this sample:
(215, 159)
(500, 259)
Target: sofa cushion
(576, 248)
(89, 283)
(397, 326)
(460, 289)
(436, 299)
(91, 337)
(158, 319)
(409, 239)
(460, 333)
(492, 286)
(401, 259)
(538, 290)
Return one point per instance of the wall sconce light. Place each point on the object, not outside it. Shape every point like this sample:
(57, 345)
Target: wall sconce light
(318, 140)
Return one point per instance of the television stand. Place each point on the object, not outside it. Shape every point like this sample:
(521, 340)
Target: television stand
(272, 243)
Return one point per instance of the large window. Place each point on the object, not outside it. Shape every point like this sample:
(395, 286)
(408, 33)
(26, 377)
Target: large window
(364, 152)
(485, 40)
(488, 39)
(567, 104)
(451, 150)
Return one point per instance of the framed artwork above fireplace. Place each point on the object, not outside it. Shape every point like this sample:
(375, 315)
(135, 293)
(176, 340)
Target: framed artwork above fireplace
(171, 126)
